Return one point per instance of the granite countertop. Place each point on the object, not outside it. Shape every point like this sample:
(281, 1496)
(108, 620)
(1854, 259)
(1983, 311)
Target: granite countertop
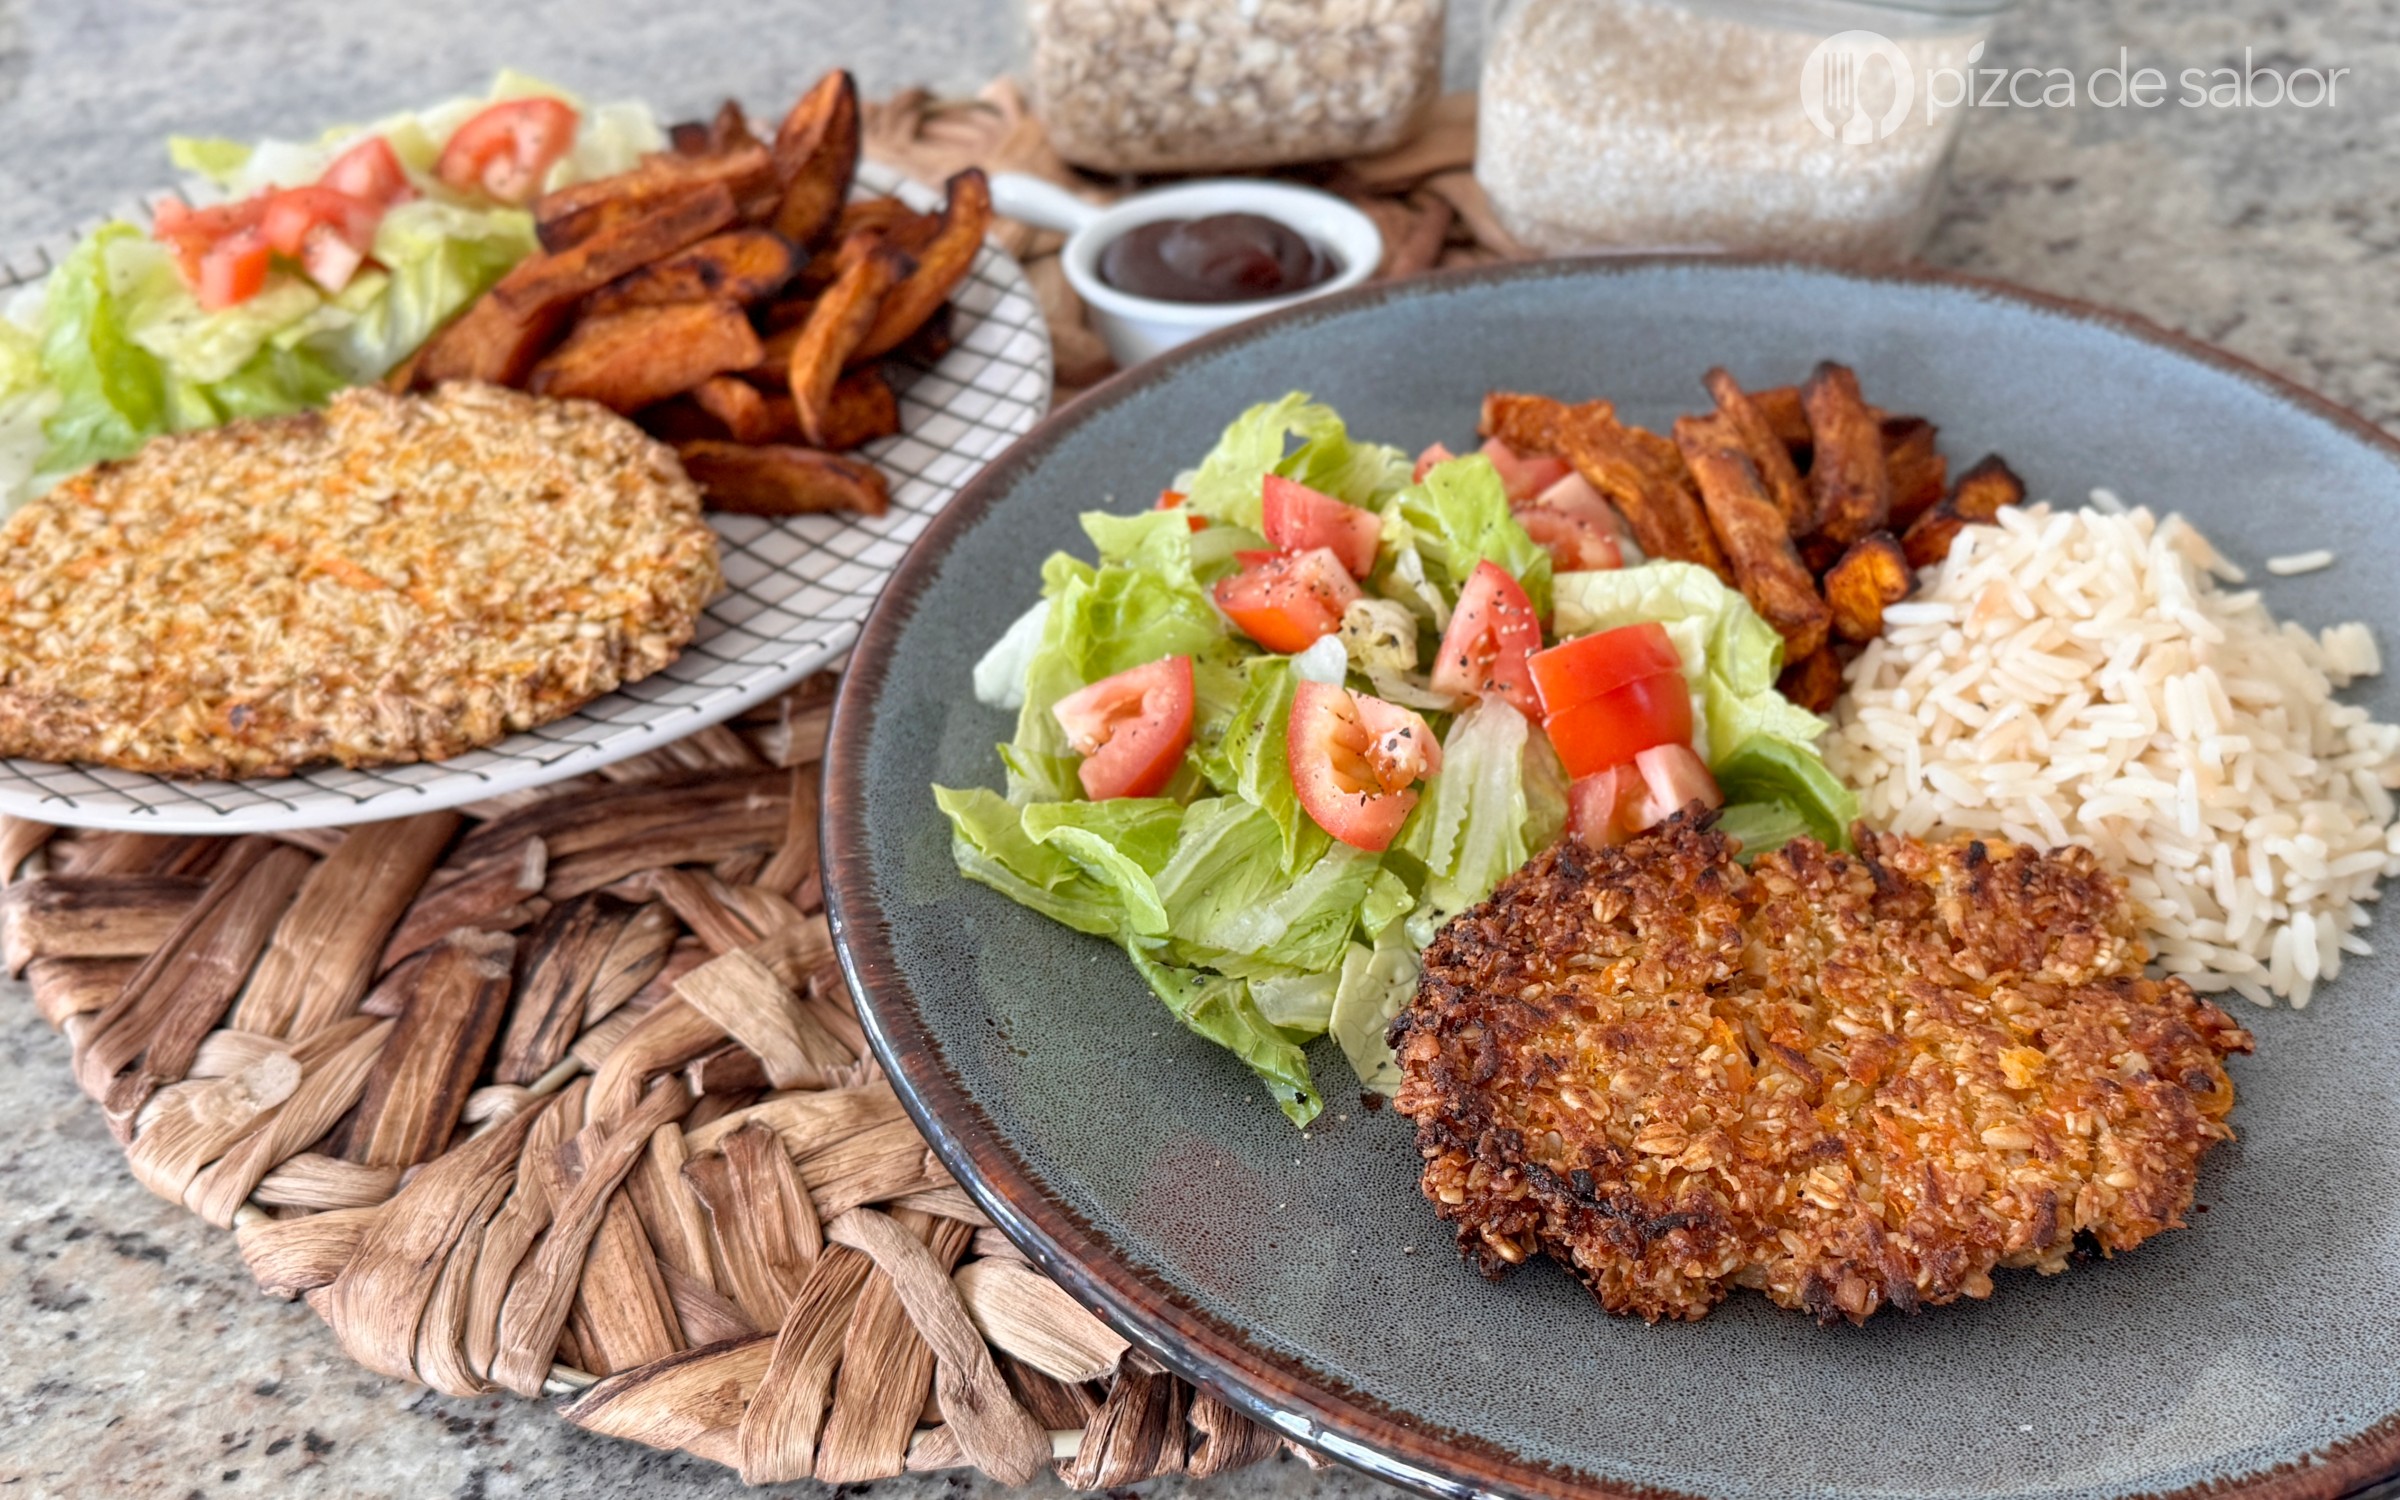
(136, 1360)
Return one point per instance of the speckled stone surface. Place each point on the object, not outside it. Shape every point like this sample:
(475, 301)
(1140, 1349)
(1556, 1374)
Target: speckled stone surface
(136, 1360)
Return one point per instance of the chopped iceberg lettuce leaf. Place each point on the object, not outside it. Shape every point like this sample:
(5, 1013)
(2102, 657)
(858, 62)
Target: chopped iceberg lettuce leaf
(1226, 487)
(1376, 984)
(1222, 1010)
(1459, 517)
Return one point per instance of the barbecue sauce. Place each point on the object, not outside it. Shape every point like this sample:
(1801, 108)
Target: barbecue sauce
(1221, 258)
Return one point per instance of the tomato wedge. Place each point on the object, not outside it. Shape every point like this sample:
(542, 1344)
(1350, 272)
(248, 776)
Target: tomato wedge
(1492, 634)
(369, 170)
(1606, 807)
(1574, 525)
(1436, 454)
(1612, 729)
(1523, 475)
(1287, 601)
(1299, 519)
(1589, 666)
(329, 232)
(1354, 761)
(192, 232)
(505, 151)
(1130, 729)
(1673, 778)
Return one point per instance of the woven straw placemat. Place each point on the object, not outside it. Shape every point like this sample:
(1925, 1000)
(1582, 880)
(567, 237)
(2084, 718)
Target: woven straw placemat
(564, 1095)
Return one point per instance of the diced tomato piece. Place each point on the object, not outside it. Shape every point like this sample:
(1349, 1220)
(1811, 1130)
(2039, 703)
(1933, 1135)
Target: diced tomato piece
(1173, 500)
(1437, 454)
(232, 270)
(1523, 476)
(1298, 519)
(191, 232)
(1492, 635)
(1605, 807)
(369, 170)
(1577, 527)
(1612, 729)
(293, 212)
(1354, 761)
(1130, 729)
(505, 151)
(1673, 778)
(1287, 601)
(1588, 666)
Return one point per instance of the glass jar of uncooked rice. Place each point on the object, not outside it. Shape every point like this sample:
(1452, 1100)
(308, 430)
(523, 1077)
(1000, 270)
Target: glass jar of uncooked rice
(1807, 127)
(1212, 85)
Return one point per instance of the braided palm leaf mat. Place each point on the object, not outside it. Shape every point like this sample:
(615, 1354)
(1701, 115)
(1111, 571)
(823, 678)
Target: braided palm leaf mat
(563, 1094)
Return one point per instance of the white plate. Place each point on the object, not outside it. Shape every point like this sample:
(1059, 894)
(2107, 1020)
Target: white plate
(795, 592)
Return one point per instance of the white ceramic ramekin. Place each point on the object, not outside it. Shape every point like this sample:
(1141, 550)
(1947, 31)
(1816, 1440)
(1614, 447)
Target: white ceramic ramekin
(1135, 328)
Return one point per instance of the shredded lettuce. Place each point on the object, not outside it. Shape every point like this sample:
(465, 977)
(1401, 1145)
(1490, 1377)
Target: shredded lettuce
(1226, 487)
(1223, 1010)
(112, 393)
(1376, 984)
(1475, 823)
(1457, 518)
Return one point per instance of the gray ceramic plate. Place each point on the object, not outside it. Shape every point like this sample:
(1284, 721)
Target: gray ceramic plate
(1302, 1277)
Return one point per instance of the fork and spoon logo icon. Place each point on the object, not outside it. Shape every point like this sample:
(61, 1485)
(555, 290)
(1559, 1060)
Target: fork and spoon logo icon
(1839, 78)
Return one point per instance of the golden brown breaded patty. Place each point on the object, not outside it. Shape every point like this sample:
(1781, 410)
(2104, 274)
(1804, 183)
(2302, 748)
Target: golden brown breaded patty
(1848, 1081)
(395, 578)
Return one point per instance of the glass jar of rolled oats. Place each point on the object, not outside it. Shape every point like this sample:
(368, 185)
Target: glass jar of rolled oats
(1799, 127)
(1215, 85)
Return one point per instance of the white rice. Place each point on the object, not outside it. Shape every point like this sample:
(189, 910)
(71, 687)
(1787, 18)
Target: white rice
(2085, 676)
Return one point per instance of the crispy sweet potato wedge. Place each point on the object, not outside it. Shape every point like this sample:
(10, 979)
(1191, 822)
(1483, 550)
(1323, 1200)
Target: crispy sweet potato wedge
(740, 265)
(1751, 528)
(897, 224)
(816, 154)
(1872, 574)
(778, 480)
(842, 318)
(1847, 479)
(1663, 511)
(729, 130)
(488, 342)
(688, 138)
(1814, 681)
(573, 214)
(1534, 424)
(1982, 493)
(1768, 452)
(741, 409)
(553, 280)
(1919, 473)
(935, 337)
(641, 356)
(861, 409)
(681, 419)
(940, 268)
(1779, 407)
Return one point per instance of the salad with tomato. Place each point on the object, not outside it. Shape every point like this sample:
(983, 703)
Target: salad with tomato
(325, 264)
(1324, 697)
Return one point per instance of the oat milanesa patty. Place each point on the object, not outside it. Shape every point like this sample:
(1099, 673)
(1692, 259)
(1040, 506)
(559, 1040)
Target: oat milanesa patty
(1846, 1081)
(395, 578)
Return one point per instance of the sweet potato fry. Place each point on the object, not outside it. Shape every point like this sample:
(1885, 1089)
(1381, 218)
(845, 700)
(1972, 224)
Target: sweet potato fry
(573, 214)
(944, 264)
(740, 265)
(861, 409)
(688, 138)
(739, 407)
(1665, 516)
(553, 280)
(630, 360)
(1982, 493)
(777, 480)
(894, 221)
(1848, 482)
(1768, 453)
(1534, 424)
(679, 420)
(1779, 406)
(816, 154)
(1751, 527)
(1920, 474)
(488, 342)
(934, 338)
(730, 131)
(1872, 574)
(1814, 681)
(841, 319)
